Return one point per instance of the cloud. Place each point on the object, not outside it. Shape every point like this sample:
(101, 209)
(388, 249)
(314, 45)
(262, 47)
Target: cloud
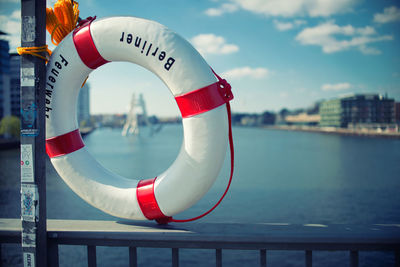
(283, 94)
(213, 44)
(237, 73)
(284, 26)
(289, 8)
(390, 14)
(369, 50)
(224, 8)
(16, 15)
(336, 87)
(334, 38)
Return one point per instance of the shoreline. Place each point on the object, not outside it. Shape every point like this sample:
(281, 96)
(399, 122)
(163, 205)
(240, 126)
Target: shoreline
(338, 131)
(13, 143)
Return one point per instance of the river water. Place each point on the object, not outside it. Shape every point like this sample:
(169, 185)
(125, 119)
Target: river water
(280, 177)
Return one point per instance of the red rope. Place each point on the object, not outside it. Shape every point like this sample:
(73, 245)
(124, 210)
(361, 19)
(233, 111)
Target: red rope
(228, 108)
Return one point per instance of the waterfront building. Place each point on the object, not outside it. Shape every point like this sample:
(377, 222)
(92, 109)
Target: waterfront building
(303, 119)
(83, 108)
(397, 112)
(5, 109)
(331, 113)
(15, 69)
(358, 110)
(267, 118)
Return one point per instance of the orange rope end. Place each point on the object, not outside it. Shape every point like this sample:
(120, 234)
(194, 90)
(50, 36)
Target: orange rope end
(61, 20)
(83, 84)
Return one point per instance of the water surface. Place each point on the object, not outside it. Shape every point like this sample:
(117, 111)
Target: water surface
(280, 176)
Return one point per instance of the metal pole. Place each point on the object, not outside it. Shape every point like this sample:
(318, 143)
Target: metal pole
(33, 175)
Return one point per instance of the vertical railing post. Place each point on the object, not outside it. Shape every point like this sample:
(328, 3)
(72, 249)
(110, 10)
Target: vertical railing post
(91, 256)
(263, 257)
(353, 258)
(33, 175)
(308, 255)
(132, 257)
(218, 257)
(175, 257)
(52, 253)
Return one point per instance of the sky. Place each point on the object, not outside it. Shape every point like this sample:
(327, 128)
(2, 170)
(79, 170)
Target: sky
(275, 53)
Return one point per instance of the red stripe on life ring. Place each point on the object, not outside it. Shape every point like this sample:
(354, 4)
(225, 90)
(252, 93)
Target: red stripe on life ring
(148, 203)
(64, 144)
(86, 48)
(204, 99)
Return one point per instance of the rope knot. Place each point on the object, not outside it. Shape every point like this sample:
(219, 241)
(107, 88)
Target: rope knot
(225, 89)
(42, 52)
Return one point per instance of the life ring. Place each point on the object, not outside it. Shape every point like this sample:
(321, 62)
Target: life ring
(200, 97)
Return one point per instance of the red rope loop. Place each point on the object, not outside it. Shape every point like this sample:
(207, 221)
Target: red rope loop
(229, 96)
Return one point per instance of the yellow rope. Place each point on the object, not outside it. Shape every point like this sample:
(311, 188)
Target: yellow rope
(59, 23)
(34, 51)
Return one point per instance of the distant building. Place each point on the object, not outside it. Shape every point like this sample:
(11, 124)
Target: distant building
(397, 112)
(15, 64)
(303, 119)
(280, 117)
(83, 108)
(331, 113)
(357, 110)
(268, 118)
(245, 119)
(9, 81)
(5, 109)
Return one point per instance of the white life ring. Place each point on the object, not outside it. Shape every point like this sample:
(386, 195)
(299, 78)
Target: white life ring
(200, 97)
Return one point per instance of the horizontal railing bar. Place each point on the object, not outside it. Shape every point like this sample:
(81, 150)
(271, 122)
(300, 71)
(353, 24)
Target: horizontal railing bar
(195, 244)
(235, 245)
(230, 246)
(214, 236)
(10, 237)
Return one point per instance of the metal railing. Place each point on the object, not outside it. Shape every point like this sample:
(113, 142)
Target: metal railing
(216, 236)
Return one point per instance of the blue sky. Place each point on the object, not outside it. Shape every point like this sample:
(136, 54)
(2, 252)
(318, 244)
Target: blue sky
(276, 54)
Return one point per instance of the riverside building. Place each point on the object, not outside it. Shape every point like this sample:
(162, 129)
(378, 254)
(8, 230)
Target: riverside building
(15, 69)
(83, 106)
(358, 111)
(9, 81)
(4, 79)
